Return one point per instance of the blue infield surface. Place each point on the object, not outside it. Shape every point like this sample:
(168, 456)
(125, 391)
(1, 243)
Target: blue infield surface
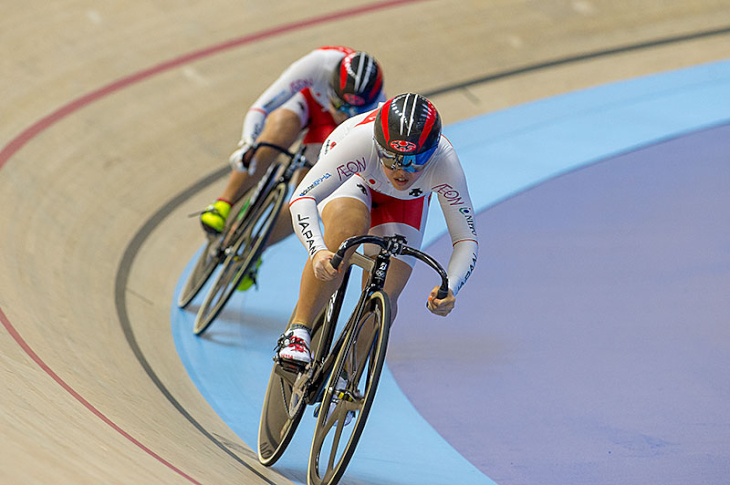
(590, 346)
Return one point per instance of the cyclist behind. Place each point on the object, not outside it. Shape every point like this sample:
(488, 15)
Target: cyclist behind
(376, 174)
(316, 93)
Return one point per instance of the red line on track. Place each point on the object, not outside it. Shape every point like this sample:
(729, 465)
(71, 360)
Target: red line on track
(38, 127)
(28, 350)
(31, 132)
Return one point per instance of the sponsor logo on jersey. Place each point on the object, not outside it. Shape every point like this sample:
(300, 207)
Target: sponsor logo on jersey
(466, 211)
(350, 168)
(449, 193)
(277, 101)
(415, 192)
(300, 84)
(315, 183)
(329, 145)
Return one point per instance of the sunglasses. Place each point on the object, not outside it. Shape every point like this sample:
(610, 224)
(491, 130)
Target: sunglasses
(407, 163)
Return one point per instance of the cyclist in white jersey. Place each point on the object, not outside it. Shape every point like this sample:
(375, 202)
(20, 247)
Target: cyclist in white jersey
(375, 175)
(316, 93)
(313, 96)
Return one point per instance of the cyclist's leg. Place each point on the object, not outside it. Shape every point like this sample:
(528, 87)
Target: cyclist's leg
(398, 275)
(282, 128)
(317, 127)
(342, 217)
(283, 227)
(406, 218)
(235, 187)
(319, 124)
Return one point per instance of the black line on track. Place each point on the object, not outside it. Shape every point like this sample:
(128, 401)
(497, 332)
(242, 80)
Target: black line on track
(120, 299)
(145, 231)
(578, 58)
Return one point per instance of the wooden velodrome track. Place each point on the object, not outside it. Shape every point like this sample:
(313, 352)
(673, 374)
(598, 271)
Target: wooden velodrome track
(112, 109)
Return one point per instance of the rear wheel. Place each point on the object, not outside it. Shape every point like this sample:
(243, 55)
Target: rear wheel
(210, 257)
(350, 392)
(280, 416)
(279, 420)
(241, 257)
(207, 261)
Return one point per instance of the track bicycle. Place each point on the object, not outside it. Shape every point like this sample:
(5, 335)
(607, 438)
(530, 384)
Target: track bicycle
(343, 375)
(238, 248)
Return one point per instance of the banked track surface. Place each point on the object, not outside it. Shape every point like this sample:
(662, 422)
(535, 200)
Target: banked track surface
(74, 192)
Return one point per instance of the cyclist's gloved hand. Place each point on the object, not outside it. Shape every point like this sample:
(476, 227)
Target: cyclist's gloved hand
(440, 307)
(242, 160)
(322, 267)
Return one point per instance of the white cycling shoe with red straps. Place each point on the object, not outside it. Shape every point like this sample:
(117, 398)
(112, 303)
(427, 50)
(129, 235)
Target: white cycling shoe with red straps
(294, 345)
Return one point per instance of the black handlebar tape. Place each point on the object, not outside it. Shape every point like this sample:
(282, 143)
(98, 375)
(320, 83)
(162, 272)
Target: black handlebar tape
(336, 260)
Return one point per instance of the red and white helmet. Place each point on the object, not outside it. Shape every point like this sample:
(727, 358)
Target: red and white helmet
(356, 84)
(407, 132)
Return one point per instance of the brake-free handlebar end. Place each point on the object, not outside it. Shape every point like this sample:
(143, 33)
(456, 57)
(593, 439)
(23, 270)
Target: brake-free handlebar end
(336, 260)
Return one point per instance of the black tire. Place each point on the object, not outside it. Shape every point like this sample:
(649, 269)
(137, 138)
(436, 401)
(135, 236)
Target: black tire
(242, 256)
(361, 359)
(209, 259)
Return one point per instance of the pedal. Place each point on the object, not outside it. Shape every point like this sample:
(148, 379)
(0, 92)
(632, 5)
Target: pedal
(299, 391)
(289, 366)
(292, 366)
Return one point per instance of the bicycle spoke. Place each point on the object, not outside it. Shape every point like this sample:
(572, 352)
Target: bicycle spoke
(250, 240)
(359, 357)
(284, 397)
(360, 362)
(335, 444)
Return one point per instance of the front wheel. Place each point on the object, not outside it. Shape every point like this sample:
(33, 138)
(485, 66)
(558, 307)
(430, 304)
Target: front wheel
(210, 257)
(242, 257)
(350, 393)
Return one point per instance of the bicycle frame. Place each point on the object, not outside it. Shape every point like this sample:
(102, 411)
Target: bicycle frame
(220, 246)
(277, 173)
(325, 353)
(292, 387)
(243, 242)
(311, 381)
